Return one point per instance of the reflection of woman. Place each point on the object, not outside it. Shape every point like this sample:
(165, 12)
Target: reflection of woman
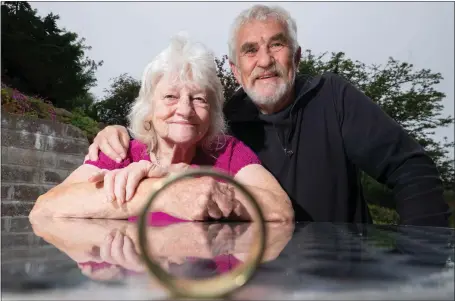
(178, 122)
(109, 249)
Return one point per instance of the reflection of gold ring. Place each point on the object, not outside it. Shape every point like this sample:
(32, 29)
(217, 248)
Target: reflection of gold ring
(217, 286)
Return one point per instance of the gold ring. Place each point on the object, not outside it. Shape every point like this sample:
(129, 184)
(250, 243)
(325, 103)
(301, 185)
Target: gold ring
(217, 286)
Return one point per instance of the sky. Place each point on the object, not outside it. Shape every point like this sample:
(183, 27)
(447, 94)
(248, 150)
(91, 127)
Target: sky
(128, 35)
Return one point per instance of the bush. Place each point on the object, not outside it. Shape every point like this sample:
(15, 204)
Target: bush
(15, 102)
(85, 123)
(383, 216)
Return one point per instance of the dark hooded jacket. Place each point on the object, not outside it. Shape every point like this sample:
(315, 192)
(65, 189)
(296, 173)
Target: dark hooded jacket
(317, 146)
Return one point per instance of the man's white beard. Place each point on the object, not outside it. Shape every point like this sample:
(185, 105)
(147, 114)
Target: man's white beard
(280, 92)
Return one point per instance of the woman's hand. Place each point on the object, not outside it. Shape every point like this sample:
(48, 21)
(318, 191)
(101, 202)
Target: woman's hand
(121, 184)
(200, 199)
(118, 249)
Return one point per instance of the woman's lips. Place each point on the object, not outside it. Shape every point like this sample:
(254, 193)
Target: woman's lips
(182, 123)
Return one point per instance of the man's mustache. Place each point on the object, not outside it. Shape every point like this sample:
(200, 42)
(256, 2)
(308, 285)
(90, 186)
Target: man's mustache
(273, 71)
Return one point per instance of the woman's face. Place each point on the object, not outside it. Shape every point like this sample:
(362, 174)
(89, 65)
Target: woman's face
(181, 112)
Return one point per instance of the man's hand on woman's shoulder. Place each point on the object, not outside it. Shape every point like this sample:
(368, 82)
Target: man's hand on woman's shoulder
(113, 140)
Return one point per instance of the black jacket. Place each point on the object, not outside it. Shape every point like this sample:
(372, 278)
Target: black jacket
(317, 146)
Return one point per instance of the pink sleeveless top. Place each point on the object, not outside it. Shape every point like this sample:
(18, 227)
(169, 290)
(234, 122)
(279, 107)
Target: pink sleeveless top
(231, 158)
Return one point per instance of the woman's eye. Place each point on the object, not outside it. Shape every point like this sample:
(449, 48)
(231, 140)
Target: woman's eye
(199, 100)
(170, 96)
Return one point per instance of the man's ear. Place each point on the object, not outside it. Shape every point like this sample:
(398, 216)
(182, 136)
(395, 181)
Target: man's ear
(236, 72)
(298, 56)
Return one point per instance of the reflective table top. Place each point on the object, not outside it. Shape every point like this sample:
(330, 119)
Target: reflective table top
(76, 259)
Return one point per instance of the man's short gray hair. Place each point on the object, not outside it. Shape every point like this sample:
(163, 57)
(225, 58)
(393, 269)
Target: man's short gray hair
(191, 62)
(262, 12)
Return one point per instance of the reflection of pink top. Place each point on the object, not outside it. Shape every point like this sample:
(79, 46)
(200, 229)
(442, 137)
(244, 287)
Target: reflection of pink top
(221, 263)
(232, 157)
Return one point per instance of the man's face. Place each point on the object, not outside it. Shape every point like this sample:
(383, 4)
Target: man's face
(265, 63)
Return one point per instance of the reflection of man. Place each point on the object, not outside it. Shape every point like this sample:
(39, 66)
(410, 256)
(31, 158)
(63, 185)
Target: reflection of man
(314, 134)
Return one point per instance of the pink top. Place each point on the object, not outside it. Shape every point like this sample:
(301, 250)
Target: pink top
(229, 159)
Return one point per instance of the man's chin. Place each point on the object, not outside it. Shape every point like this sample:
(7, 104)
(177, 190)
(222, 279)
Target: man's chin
(269, 93)
(266, 96)
(266, 84)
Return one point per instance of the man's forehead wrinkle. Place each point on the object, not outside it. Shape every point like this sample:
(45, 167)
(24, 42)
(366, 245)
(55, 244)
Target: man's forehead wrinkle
(262, 40)
(279, 36)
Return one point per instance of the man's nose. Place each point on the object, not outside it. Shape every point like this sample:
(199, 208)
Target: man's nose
(265, 58)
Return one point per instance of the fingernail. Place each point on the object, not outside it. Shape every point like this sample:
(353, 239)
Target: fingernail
(122, 155)
(118, 160)
(109, 237)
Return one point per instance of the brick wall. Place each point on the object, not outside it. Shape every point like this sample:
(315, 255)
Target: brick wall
(36, 155)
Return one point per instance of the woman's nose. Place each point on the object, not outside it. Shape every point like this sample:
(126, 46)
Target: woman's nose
(184, 107)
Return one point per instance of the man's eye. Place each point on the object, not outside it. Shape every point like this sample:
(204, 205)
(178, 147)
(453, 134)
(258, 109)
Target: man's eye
(170, 96)
(277, 45)
(250, 51)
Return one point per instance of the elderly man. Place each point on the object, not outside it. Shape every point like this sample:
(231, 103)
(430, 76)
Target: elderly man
(315, 135)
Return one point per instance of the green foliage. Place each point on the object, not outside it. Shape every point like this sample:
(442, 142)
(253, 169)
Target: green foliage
(114, 108)
(407, 95)
(383, 216)
(38, 58)
(382, 239)
(449, 196)
(85, 123)
(15, 102)
(226, 77)
(83, 101)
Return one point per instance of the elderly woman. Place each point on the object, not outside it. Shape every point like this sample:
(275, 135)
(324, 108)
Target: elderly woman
(177, 123)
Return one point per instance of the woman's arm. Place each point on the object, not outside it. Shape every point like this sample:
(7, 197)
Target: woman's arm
(66, 235)
(273, 200)
(77, 197)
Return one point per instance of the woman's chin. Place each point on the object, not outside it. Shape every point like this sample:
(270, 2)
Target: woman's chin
(185, 141)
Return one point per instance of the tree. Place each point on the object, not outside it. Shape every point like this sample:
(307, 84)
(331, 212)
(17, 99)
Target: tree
(114, 108)
(409, 96)
(38, 58)
(226, 77)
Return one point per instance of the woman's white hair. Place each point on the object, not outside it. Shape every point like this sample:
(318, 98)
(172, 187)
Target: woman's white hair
(190, 62)
(262, 12)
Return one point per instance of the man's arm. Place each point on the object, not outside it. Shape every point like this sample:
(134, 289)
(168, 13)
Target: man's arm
(383, 149)
(113, 141)
(273, 200)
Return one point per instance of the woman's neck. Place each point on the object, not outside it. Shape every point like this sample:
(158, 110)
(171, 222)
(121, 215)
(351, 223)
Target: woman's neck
(167, 153)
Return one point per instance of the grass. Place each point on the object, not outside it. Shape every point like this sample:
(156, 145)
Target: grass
(386, 216)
